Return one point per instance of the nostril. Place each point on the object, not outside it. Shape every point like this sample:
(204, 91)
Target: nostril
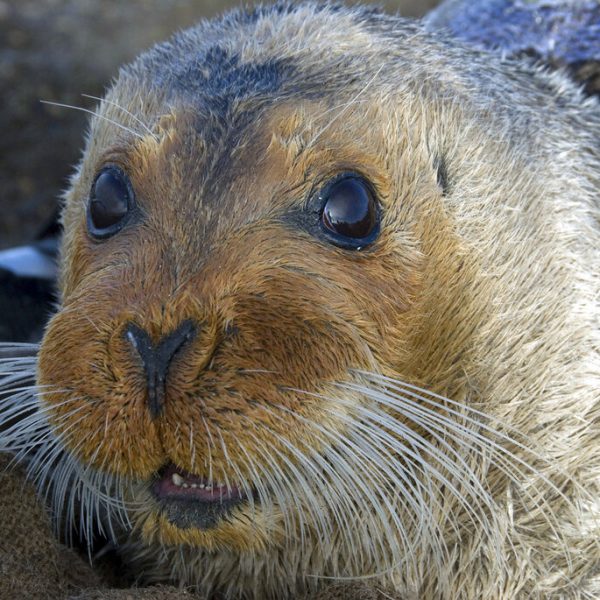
(140, 340)
(156, 358)
(168, 346)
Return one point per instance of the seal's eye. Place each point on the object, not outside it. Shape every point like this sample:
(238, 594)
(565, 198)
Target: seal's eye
(349, 214)
(111, 200)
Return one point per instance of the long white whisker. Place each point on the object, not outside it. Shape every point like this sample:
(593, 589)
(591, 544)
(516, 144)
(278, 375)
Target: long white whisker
(127, 112)
(95, 114)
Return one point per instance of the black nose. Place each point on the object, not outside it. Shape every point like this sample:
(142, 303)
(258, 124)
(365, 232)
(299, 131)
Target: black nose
(157, 358)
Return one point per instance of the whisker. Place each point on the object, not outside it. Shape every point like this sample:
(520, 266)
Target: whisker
(127, 112)
(351, 472)
(95, 114)
(404, 402)
(349, 104)
(383, 422)
(18, 351)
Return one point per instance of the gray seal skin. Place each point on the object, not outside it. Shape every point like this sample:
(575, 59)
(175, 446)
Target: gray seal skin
(329, 311)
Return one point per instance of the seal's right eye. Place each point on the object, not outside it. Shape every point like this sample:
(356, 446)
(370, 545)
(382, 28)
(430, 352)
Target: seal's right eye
(349, 215)
(111, 201)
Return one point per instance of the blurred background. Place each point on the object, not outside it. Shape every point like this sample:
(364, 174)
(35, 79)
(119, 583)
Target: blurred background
(56, 50)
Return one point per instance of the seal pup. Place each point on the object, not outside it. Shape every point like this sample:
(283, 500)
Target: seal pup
(328, 311)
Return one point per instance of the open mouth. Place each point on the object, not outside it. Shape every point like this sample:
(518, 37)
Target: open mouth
(189, 500)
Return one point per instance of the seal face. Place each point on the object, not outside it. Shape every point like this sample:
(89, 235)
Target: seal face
(322, 313)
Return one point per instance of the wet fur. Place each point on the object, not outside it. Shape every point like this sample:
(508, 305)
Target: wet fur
(423, 413)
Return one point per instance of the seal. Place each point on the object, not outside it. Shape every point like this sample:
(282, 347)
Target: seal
(329, 311)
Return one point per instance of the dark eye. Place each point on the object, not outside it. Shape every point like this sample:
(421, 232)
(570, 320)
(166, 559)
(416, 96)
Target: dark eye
(349, 214)
(111, 200)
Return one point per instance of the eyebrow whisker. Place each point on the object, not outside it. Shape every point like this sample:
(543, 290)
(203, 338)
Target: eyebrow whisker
(95, 114)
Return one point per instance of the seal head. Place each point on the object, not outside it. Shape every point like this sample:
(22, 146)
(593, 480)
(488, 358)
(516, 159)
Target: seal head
(316, 270)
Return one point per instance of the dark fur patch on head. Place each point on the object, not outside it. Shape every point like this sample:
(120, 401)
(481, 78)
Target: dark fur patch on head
(216, 76)
(196, 65)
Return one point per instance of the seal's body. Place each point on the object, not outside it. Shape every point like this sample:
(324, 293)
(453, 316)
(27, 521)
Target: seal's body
(329, 310)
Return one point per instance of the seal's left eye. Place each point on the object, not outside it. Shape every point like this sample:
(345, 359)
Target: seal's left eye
(111, 200)
(349, 215)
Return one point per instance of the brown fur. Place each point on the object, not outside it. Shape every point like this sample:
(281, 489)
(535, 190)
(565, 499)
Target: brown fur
(480, 289)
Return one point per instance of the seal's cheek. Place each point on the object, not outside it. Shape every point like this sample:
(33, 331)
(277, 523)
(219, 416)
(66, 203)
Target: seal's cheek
(96, 394)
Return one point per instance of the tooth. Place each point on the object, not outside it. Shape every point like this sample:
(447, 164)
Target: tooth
(201, 486)
(185, 485)
(177, 479)
(194, 485)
